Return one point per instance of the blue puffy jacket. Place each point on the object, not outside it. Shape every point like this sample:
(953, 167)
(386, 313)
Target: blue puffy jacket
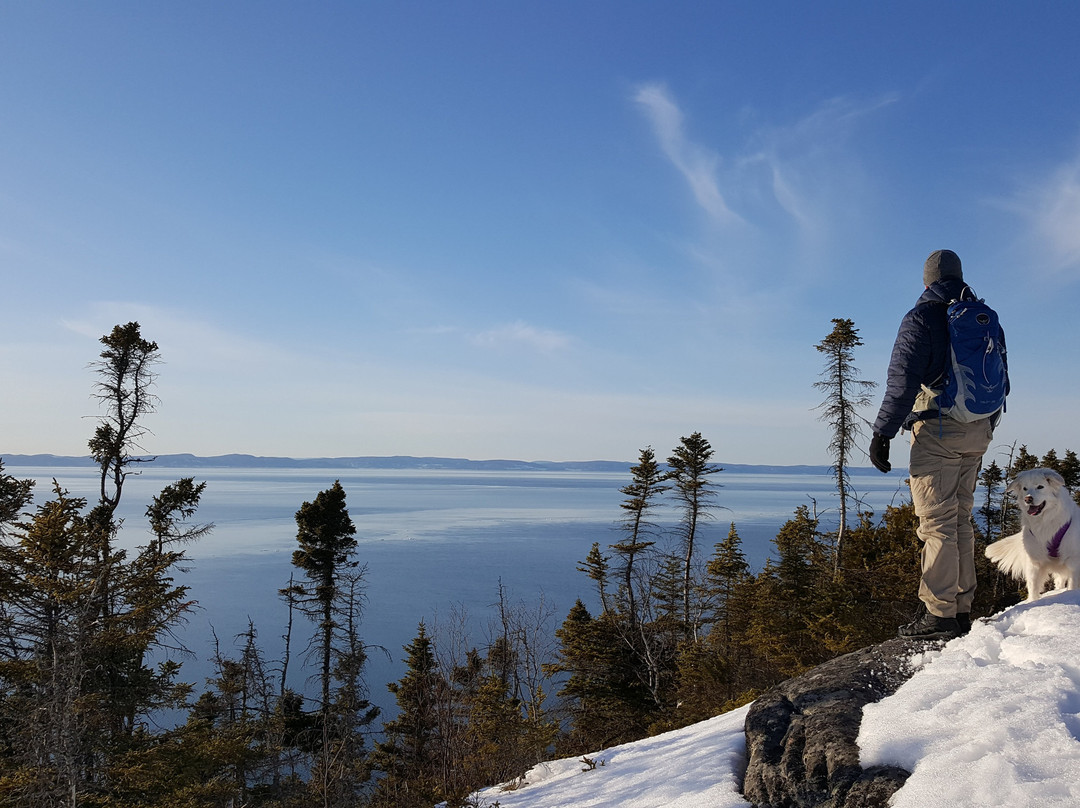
(919, 355)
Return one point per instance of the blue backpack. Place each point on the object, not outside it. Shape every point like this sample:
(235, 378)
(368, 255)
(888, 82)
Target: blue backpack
(976, 377)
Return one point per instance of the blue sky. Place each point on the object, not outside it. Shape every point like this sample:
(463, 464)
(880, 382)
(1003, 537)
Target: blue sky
(556, 230)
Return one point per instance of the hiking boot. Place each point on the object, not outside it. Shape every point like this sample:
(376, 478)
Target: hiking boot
(931, 627)
(963, 620)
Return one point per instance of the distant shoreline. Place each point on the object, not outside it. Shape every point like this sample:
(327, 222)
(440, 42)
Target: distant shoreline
(396, 462)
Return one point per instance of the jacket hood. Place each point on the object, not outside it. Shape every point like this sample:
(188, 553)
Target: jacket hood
(944, 291)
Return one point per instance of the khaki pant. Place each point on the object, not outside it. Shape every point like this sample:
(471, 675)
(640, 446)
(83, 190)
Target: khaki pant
(944, 469)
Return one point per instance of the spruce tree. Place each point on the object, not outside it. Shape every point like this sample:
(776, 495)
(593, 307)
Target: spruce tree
(695, 492)
(786, 609)
(49, 609)
(710, 672)
(325, 535)
(641, 494)
(497, 736)
(500, 740)
(411, 755)
(727, 573)
(606, 699)
(703, 677)
(1069, 468)
(14, 496)
(222, 754)
(801, 554)
(1022, 461)
(81, 635)
(845, 394)
(126, 377)
(332, 598)
(726, 569)
(666, 591)
(991, 478)
(595, 566)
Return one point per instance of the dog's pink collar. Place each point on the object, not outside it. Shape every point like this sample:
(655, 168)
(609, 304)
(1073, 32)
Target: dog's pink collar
(1055, 543)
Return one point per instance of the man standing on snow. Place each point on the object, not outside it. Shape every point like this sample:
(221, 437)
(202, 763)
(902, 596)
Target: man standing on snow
(946, 454)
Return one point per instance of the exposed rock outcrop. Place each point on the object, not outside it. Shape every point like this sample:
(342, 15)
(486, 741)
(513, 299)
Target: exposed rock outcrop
(800, 736)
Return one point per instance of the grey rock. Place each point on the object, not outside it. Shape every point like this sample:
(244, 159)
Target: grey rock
(800, 736)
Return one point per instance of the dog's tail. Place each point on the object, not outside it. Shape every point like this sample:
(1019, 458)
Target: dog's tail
(1009, 555)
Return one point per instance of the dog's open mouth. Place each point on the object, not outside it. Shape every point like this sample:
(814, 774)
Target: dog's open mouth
(1035, 510)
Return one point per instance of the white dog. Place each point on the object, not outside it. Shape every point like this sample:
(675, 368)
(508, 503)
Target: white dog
(1048, 543)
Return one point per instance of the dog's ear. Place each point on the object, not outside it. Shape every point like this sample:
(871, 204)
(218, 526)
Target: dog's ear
(1055, 480)
(1013, 487)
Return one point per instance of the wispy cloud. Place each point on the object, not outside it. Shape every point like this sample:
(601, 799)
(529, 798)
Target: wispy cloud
(697, 164)
(522, 334)
(791, 168)
(806, 160)
(1054, 207)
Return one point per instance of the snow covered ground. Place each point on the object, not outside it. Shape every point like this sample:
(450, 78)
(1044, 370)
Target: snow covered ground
(993, 718)
(696, 767)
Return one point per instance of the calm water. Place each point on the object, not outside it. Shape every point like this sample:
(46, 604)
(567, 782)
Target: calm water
(434, 542)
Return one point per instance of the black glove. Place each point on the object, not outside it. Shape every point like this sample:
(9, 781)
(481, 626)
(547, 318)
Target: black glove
(879, 453)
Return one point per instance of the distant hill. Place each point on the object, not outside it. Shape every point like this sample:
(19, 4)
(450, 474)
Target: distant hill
(396, 462)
